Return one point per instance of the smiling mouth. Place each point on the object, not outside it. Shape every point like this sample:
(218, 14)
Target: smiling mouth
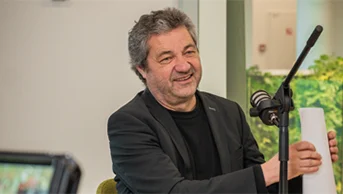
(184, 78)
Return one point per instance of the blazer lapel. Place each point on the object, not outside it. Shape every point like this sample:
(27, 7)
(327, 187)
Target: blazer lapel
(216, 124)
(164, 118)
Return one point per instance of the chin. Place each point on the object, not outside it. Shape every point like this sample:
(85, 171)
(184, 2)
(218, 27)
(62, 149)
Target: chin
(185, 93)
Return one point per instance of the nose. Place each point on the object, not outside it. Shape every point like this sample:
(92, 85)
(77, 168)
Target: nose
(182, 65)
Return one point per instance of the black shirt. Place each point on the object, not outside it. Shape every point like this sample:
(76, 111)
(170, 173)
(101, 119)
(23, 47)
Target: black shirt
(196, 131)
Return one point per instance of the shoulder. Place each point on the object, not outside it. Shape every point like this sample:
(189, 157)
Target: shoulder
(132, 110)
(133, 122)
(218, 101)
(134, 105)
(228, 109)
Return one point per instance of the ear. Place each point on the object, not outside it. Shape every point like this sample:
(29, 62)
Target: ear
(141, 70)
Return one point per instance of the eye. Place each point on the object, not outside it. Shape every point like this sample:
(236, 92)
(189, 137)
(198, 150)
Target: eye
(190, 53)
(166, 60)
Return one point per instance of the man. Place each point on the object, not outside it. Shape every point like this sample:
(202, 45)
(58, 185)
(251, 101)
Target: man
(172, 138)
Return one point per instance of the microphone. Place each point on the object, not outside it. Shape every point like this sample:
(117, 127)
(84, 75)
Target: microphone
(314, 36)
(264, 107)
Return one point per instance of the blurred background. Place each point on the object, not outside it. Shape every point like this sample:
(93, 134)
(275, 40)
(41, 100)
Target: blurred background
(64, 68)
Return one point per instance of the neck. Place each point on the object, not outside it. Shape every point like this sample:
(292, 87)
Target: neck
(176, 103)
(180, 106)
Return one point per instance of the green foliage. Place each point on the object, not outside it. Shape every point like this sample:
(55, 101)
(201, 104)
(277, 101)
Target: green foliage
(328, 68)
(322, 88)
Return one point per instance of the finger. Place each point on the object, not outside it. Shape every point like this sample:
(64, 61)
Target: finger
(333, 150)
(307, 170)
(333, 142)
(309, 163)
(307, 154)
(331, 135)
(334, 157)
(305, 145)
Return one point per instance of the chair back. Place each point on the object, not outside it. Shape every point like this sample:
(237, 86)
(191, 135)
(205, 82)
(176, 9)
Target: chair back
(107, 187)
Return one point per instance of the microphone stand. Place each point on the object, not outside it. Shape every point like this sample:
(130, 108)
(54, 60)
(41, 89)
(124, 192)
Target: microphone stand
(285, 105)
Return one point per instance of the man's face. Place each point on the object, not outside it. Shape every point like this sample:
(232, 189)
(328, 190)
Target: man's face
(174, 70)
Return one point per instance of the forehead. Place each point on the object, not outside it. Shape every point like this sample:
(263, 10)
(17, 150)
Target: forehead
(174, 39)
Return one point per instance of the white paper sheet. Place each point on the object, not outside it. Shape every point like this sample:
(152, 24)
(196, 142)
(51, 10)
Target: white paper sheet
(313, 129)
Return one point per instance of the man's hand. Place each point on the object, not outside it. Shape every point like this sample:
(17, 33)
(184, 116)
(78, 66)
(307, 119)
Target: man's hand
(303, 158)
(333, 146)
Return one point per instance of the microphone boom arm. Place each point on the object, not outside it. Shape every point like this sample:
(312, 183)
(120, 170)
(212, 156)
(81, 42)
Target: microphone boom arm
(276, 110)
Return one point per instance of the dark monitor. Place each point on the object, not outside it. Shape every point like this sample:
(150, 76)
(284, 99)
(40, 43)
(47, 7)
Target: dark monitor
(36, 173)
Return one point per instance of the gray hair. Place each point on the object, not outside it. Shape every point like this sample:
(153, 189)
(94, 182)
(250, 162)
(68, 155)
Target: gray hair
(157, 22)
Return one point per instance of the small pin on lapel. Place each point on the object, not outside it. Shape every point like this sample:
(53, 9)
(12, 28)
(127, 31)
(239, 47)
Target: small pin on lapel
(211, 108)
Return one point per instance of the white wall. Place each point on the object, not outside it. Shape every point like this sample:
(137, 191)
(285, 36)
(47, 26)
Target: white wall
(260, 8)
(310, 14)
(63, 70)
(191, 8)
(212, 45)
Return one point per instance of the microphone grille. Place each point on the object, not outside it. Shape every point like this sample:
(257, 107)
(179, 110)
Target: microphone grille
(259, 96)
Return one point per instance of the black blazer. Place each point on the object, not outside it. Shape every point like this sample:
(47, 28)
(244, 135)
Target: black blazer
(147, 149)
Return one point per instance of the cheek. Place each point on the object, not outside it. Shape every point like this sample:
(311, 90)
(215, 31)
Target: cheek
(167, 72)
(199, 68)
(197, 65)
(162, 75)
